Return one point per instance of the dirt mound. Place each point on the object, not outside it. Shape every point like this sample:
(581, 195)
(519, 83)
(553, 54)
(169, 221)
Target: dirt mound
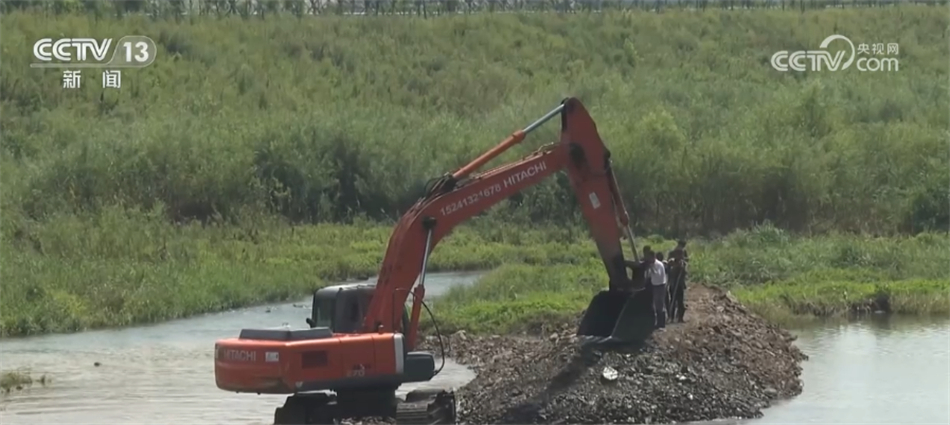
(722, 363)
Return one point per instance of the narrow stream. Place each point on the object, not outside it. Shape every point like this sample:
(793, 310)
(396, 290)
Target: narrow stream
(884, 370)
(163, 373)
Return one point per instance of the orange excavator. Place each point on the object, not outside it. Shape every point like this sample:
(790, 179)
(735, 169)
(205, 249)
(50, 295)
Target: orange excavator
(360, 346)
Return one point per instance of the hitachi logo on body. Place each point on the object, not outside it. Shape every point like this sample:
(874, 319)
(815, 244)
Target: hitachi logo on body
(529, 172)
(494, 189)
(241, 355)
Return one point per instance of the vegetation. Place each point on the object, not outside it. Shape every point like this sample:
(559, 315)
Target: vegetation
(126, 267)
(776, 275)
(782, 302)
(20, 379)
(213, 178)
(425, 8)
(322, 119)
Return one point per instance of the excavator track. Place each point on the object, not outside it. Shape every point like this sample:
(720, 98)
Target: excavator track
(422, 407)
(427, 407)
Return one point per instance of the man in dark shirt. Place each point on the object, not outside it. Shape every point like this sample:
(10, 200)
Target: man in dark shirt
(679, 260)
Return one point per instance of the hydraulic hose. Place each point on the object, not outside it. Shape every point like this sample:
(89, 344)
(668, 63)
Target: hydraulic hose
(439, 333)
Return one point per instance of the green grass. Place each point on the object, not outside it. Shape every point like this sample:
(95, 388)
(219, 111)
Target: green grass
(783, 301)
(776, 275)
(121, 268)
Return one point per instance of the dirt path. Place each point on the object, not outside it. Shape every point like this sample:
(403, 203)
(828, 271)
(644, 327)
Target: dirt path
(723, 362)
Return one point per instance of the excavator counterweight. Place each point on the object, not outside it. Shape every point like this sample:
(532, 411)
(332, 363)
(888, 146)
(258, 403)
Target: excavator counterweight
(360, 344)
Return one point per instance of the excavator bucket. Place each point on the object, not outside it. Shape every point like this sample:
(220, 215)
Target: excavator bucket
(618, 317)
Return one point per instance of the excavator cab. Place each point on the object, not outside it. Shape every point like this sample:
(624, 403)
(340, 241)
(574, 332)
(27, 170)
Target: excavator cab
(341, 308)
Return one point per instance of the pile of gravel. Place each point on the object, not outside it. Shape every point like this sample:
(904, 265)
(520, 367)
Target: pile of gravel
(724, 362)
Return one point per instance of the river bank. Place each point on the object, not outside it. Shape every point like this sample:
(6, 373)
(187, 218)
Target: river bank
(125, 267)
(784, 278)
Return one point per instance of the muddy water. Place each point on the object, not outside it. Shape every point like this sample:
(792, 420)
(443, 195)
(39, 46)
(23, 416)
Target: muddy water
(161, 374)
(882, 370)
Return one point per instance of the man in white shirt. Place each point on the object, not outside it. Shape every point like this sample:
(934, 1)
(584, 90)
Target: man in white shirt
(657, 275)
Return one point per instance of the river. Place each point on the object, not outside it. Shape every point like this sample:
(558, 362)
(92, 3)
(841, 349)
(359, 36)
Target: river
(883, 370)
(163, 373)
(886, 370)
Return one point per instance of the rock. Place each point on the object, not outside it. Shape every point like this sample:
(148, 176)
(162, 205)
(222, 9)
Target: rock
(610, 374)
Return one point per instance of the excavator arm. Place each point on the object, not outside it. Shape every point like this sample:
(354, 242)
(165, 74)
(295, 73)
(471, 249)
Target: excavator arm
(463, 194)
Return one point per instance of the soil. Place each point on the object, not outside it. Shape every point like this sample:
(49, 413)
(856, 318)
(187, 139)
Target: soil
(723, 362)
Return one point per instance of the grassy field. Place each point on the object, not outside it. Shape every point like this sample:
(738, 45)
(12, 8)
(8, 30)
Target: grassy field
(781, 277)
(257, 158)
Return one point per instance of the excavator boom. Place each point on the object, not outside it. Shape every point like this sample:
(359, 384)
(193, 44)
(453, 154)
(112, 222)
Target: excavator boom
(458, 196)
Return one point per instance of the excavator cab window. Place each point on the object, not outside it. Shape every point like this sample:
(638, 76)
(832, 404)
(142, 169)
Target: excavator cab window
(323, 309)
(351, 309)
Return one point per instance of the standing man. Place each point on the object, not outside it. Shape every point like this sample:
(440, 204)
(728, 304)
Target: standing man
(680, 260)
(657, 274)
